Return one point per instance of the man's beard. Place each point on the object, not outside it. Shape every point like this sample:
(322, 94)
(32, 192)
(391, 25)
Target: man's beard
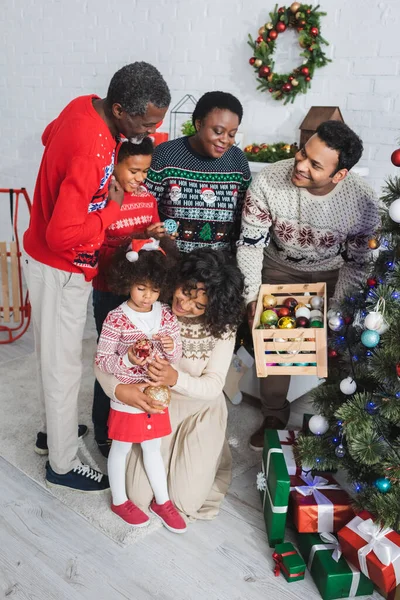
(137, 139)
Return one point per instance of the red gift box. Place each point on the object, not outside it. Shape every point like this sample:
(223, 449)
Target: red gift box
(319, 504)
(373, 550)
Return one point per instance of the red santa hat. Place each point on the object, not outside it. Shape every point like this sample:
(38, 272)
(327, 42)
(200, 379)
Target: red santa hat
(206, 189)
(137, 245)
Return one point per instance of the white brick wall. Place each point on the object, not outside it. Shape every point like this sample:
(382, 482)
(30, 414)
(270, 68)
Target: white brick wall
(55, 50)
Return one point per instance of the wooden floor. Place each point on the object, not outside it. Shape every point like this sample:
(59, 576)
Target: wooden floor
(48, 552)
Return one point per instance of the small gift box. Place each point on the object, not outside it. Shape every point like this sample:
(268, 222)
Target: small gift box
(274, 485)
(319, 504)
(332, 574)
(372, 549)
(289, 562)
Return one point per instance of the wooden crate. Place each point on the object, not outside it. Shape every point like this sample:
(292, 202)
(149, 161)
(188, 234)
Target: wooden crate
(312, 341)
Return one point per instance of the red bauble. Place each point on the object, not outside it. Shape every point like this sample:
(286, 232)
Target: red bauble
(398, 369)
(271, 89)
(395, 158)
(286, 88)
(252, 60)
(264, 71)
(302, 322)
(281, 10)
(256, 150)
(143, 348)
(304, 70)
(280, 27)
(371, 282)
(284, 311)
(290, 77)
(347, 320)
(314, 31)
(308, 11)
(259, 39)
(308, 78)
(273, 34)
(290, 303)
(332, 353)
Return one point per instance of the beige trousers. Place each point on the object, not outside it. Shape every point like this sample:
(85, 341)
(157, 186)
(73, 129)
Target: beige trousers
(59, 306)
(274, 388)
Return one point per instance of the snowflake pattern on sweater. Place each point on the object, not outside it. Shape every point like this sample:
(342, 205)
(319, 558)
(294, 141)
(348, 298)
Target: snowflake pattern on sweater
(307, 232)
(204, 194)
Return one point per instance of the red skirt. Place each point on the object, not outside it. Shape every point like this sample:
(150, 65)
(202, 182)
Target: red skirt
(137, 428)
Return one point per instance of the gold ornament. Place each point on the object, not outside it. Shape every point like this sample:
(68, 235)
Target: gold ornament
(160, 394)
(258, 62)
(286, 148)
(286, 323)
(294, 82)
(298, 15)
(269, 26)
(261, 30)
(295, 7)
(373, 243)
(270, 77)
(269, 301)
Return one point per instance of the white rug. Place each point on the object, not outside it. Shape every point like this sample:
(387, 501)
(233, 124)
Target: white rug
(19, 425)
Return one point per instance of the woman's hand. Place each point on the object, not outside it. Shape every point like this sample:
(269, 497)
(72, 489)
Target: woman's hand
(155, 230)
(161, 372)
(132, 395)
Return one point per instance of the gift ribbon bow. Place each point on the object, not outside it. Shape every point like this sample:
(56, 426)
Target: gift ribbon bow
(325, 506)
(331, 543)
(279, 566)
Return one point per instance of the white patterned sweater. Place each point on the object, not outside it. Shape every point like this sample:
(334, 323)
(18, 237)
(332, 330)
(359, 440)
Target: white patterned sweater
(304, 231)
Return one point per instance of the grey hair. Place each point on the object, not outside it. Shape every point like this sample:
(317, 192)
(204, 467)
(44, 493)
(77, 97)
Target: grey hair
(135, 86)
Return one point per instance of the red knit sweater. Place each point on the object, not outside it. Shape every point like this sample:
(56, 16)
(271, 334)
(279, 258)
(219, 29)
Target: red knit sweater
(70, 210)
(138, 211)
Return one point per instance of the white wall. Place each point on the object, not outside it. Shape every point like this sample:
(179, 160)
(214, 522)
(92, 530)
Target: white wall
(54, 50)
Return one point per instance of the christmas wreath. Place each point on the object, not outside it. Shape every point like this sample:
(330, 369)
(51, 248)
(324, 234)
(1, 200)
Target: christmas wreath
(306, 20)
(269, 153)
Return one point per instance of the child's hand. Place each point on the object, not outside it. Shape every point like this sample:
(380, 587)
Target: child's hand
(155, 230)
(167, 342)
(140, 362)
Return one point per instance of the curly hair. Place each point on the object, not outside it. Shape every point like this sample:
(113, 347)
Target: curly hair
(221, 100)
(340, 137)
(137, 85)
(145, 148)
(223, 283)
(152, 267)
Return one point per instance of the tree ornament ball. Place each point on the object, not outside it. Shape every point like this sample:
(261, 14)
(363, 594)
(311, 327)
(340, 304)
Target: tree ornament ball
(372, 282)
(395, 158)
(286, 323)
(258, 62)
(340, 451)
(316, 302)
(290, 303)
(316, 323)
(143, 348)
(280, 27)
(370, 338)
(284, 311)
(371, 408)
(348, 386)
(268, 317)
(336, 322)
(252, 60)
(303, 311)
(269, 301)
(304, 71)
(269, 26)
(264, 71)
(317, 313)
(286, 88)
(332, 353)
(295, 7)
(314, 31)
(374, 320)
(300, 305)
(318, 425)
(160, 393)
(394, 211)
(302, 322)
(273, 34)
(333, 312)
(383, 485)
(261, 30)
(373, 243)
(294, 82)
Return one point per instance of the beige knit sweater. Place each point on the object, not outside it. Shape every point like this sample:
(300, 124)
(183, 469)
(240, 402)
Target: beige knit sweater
(304, 231)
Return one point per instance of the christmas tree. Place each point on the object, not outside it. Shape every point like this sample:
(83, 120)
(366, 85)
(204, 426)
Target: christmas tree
(358, 429)
(206, 233)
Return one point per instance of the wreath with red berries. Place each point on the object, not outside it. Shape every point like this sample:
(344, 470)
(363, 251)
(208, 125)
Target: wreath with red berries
(306, 20)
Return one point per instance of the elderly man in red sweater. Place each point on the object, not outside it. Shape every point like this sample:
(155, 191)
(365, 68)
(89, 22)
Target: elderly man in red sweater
(74, 203)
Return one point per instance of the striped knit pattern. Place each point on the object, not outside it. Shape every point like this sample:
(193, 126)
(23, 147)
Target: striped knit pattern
(307, 232)
(204, 194)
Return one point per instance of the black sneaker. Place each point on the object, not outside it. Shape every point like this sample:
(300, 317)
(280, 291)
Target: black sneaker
(81, 479)
(41, 440)
(104, 446)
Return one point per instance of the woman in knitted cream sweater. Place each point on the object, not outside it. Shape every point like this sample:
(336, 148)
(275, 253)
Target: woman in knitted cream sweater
(208, 303)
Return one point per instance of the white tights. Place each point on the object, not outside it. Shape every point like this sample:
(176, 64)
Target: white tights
(153, 465)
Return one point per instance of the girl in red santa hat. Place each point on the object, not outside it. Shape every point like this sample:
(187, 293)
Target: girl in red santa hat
(132, 335)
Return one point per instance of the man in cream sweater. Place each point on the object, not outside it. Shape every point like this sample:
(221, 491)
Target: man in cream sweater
(306, 220)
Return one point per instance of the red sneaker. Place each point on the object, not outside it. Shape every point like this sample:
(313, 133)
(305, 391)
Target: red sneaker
(131, 513)
(170, 517)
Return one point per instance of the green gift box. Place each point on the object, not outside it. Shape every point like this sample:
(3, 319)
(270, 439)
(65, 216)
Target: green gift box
(274, 486)
(332, 574)
(289, 562)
